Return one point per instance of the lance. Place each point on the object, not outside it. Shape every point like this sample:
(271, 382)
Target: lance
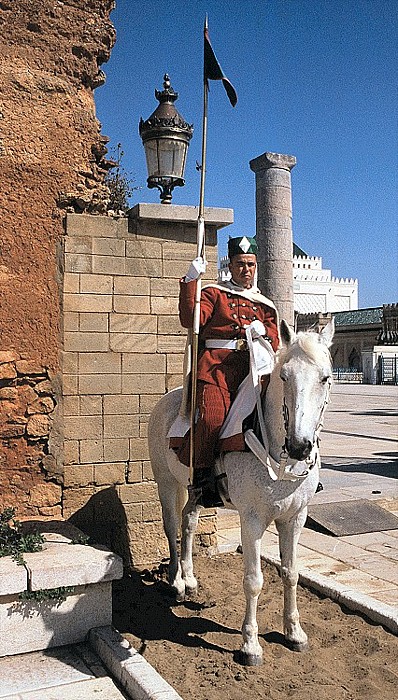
(212, 71)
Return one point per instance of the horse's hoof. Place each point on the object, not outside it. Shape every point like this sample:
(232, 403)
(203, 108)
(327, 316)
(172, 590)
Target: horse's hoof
(297, 646)
(249, 659)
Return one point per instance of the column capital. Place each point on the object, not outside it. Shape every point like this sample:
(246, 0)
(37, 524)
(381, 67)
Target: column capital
(272, 160)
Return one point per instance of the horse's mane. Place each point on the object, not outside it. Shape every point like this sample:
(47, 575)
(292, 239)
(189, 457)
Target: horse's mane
(309, 343)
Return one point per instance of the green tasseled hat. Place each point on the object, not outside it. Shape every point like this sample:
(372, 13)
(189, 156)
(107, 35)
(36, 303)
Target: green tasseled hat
(242, 245)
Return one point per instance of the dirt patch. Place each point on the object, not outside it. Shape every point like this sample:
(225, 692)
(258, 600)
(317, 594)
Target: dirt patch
(193, 644)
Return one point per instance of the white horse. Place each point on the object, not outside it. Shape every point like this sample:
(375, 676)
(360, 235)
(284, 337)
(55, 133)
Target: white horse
(293, 409)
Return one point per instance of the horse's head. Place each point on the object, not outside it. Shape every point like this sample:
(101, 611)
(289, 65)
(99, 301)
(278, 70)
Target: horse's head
(305, 368)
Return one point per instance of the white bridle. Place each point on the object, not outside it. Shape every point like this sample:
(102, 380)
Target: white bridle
(282, 470)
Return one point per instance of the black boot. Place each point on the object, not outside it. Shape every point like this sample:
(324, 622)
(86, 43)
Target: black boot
(204, 489)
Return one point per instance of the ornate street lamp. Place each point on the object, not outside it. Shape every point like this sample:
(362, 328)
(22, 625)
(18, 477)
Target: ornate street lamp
(166, 136)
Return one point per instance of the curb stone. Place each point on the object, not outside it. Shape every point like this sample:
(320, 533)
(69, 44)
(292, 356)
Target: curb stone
(378, 612)
(130, 669)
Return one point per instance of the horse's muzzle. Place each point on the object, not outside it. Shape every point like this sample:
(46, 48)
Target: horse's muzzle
(298, 449)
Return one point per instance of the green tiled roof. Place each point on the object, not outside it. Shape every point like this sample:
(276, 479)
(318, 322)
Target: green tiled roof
(298, 252)
(359, 317)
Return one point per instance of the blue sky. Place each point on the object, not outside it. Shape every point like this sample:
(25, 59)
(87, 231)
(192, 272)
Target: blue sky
(315, 79)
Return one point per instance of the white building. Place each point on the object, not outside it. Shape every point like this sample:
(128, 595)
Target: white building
(315, 290)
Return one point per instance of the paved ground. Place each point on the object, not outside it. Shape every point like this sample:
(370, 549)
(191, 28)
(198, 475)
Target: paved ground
(359, 454)
(359, 451)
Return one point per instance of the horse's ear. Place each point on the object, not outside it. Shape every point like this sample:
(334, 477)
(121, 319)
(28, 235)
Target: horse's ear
(327, 333)
(287, 332)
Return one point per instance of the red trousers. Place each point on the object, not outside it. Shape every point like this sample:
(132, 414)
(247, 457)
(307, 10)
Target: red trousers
(213, 405)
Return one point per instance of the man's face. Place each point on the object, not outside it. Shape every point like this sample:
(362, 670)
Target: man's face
(243, 269)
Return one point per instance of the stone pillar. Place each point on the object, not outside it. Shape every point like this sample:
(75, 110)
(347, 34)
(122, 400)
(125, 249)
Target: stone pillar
(274, 229)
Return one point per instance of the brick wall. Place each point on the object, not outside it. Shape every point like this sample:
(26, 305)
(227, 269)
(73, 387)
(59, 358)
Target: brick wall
(123, 348)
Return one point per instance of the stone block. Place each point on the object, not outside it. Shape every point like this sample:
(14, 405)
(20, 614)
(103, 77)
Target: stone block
(78, 475)
(133, 342)
(69, 385)
(86, 342)
(147, 473)
(71, 405)
(90, 406)
(78, 263)
(80, 246)
(133, 512)
(177, 213)
(82, 427)
(96, 284)
(129, 667)
(100, 384)
(96, 226)
(138, 493)
(76, 498)
(121, 404)
(116, 449)
(70, 362)
(171, 343)
(148, 403)
(92, 303)
(175, 269)
(170, 325)
(143, 250)
(139, 267)
(131, 305)
(173, 381)
(164, 305)
(100, 363)
(174, 364)
(134, 472)
(143, 384)
(71, 283)
(8, 356)
(7, 371)
(107, 265)
(109, 473)
(120, 426)
(138, 449)
(109, 246)
(71, 451)
(29, 626)
(71, 321)
(65, 564)
(132, 323)
(13, 577)
(38, 426)
(152, 512)
(148, 543)
(133, 286)
(164, 287)
(134, 362)
(91, 451)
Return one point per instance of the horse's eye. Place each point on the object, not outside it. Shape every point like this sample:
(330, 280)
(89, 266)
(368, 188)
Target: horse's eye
(282, 376)
(324, 380)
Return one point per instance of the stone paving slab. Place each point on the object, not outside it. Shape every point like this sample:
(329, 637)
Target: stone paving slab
(94, 689)
(64, 673)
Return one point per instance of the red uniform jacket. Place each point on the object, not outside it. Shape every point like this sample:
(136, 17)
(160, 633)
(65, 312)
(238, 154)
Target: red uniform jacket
(224, 315)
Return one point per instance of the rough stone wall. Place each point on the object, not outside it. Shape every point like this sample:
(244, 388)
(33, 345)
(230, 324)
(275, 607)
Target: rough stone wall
(51, 157)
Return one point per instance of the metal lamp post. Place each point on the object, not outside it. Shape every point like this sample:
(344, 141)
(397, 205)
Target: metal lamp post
(165, 136)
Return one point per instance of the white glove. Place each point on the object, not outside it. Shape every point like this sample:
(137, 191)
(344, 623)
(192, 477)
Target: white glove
(196, 269)
(257, 329)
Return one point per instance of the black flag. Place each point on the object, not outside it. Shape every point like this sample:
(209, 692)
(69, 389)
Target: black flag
(213, 70)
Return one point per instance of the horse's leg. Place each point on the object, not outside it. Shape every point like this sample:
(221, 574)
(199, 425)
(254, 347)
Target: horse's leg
(190, 517)
(251, 651)
(169, 498)
(289, 533)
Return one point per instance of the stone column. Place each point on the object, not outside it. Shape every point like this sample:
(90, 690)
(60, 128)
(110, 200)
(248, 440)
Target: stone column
(274, 229)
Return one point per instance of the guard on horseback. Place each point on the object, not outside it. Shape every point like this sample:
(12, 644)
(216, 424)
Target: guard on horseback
(227, 311)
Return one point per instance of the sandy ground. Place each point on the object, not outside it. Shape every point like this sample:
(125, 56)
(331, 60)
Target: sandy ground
(193, 644)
